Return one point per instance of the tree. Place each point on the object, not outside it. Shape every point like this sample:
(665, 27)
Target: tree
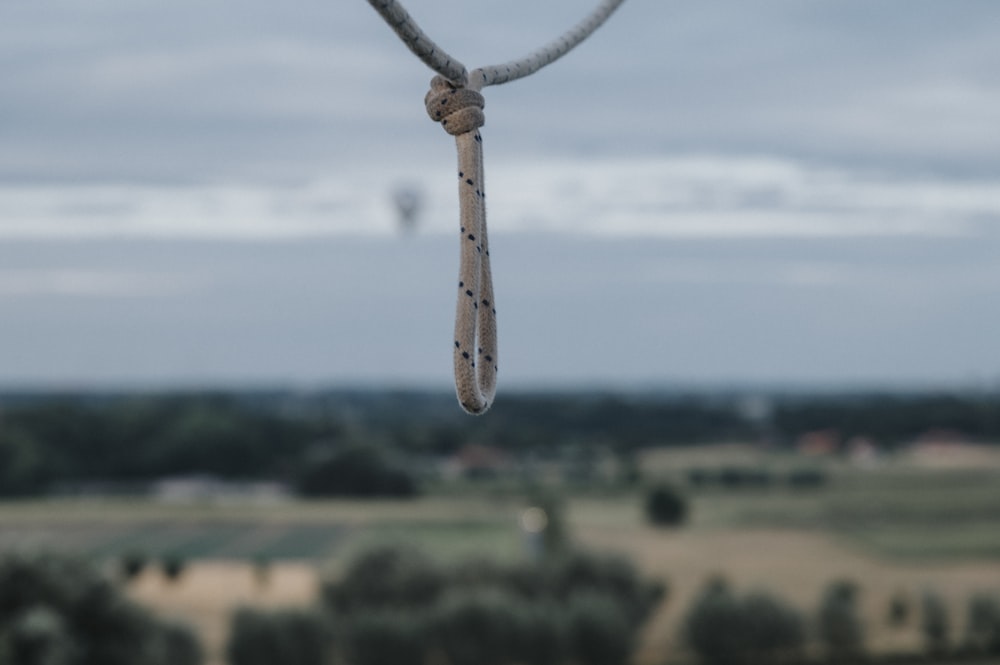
(132, 563)
(665, 506)
(288, 637)
(724, 628)
(386, 637)
(22, 464)
(355, 470)
(935, 623)
(400, 607)
(173, 565)
(58, 609)
(385, 576)
(982, 632)
(840, 626)
(581, 571)
(899, 609)
(476, 628)
(598, 630)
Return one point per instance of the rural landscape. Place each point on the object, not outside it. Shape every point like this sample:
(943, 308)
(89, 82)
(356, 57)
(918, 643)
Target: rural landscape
(740, 404)
(376, 527)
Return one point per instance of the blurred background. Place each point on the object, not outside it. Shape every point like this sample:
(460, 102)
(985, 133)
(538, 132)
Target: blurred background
(746, 263)
(774, 194)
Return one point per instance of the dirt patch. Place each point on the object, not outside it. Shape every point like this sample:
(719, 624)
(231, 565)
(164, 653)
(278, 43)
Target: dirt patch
(794, 565)
(208, 591)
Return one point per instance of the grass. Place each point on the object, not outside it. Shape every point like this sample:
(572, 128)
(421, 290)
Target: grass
(944, 515)
(314, 531)
(892, 512)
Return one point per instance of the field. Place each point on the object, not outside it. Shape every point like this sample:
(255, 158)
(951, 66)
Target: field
(901, 527)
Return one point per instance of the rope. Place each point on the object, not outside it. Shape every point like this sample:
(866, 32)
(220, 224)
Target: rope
(454, 100)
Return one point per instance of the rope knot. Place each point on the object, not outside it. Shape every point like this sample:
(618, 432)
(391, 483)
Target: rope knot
(458, 109)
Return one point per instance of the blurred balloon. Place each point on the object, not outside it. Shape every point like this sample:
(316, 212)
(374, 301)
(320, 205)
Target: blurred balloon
(408, 199)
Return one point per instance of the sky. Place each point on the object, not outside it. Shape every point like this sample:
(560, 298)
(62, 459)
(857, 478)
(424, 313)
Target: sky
(702, 194)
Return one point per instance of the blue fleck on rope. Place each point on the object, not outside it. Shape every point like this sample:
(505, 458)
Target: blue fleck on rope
(454, 100)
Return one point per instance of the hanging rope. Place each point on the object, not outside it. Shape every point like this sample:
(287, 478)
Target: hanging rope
(454, 100)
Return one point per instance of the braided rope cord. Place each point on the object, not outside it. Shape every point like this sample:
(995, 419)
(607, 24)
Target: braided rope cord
(454, 100)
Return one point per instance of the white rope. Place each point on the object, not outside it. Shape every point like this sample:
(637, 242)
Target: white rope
(455, 102)
(557, 48)
(422, 46)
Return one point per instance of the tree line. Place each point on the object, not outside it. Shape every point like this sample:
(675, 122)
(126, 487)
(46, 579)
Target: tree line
(393, 604)
(48, 440)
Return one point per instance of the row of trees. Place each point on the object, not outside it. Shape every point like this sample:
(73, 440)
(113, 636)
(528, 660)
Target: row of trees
(736, 477)
(48, 441)
(66, 444)
(58, 610)
(393, 605)
(727, 628)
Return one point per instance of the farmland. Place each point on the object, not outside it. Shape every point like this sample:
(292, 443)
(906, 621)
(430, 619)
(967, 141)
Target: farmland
(899, 528)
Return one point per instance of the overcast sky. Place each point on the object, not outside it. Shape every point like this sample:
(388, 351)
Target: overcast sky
(701, 194)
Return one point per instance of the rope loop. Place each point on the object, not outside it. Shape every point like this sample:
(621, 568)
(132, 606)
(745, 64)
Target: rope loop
(458, 109)
(455, 102)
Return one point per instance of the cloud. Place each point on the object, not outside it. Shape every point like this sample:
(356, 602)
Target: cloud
(188, 92)
(769, 190)
(695, 196)
(87, 283)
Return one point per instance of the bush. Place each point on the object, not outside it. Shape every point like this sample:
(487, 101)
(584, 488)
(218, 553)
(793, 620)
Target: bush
(899, 609)
(58, 609)
(558, 579)
(840, 627)
(132, 563)
(385, 637)
(713, 626)
(982, 632)
(777, 629)
(726, 629)
(804, 479)
(37, 636)
(598, 630)
(732, 477)
(665, 506)
(698, 477)
(23, 465)
(935, 623)
(355, 470)
(179, 645)
(398, 606)
(612, 575)
(541, 633)
(288, 637)
(476, 628)
(173, 566)
(385, 577)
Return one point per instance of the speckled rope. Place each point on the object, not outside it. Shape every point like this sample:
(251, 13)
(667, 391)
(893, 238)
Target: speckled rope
(454, 101)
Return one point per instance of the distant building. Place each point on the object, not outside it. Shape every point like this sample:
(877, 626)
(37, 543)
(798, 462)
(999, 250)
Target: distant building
(199, 488)
(819, 443)
(943, 448)
(476, 460)
(863, 451)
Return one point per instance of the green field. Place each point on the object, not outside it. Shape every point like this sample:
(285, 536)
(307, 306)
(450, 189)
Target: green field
(893, 513)
(310, 531)
(892, 529)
